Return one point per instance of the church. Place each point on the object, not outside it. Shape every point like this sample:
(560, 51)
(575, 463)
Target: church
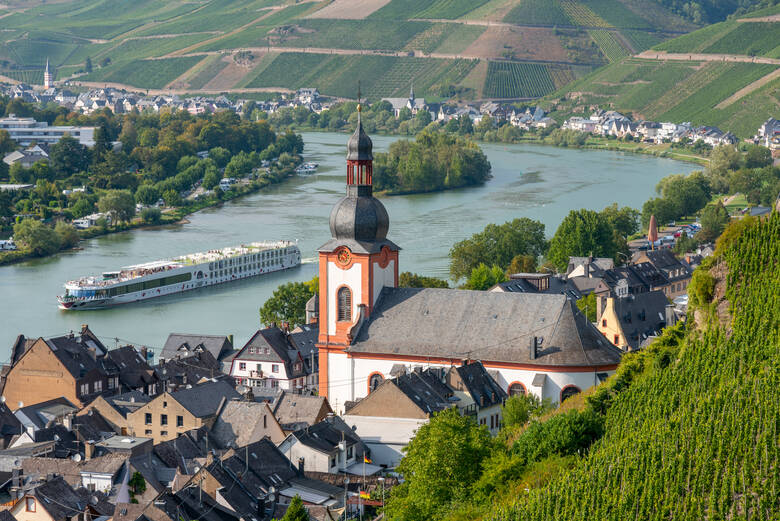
(371, 330)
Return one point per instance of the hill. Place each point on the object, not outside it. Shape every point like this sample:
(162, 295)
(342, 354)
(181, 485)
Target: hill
(726, 74)
(690, 430)
(469, 48)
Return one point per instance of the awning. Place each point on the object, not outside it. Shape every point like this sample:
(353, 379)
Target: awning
(539, 379)
(358, 469)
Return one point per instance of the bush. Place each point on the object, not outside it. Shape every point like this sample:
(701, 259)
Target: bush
(37, 237)
(69, 236)
(151, 215)
(701, 288)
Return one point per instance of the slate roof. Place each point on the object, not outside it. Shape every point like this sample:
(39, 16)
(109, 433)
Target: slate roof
(92, 426)
(557, 285)
(204, 400)
(151, 468)
(294, 409)
(425, 389)
(664, 259)
(239, 423)
(74, 355)
(10, 426)
(484, 390)
(191, 370)
(6, 515)
(59, 499)
(270, 345)
(326, 435)
(489, 326)
(648, 273)
(127, 402)
(181, 451)
(641, 316)
(133, 370)
(182, 345)
(40, 414)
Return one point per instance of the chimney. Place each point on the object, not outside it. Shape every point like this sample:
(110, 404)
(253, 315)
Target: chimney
(67, 421)
(89, 448)
(587, 267)
(533, 347)
(300, 465)
(144, 353)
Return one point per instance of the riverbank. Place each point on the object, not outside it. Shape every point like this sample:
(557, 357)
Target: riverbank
(171, 216)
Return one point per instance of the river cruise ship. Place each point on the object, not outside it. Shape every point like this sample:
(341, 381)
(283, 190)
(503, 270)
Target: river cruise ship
(166, 277)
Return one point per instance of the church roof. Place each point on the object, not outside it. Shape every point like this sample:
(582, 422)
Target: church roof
(359, 146)
(487, 326)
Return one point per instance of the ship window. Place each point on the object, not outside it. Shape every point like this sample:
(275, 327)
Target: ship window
(344, 305)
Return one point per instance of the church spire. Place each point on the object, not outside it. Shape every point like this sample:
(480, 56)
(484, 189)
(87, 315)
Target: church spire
(411, 92)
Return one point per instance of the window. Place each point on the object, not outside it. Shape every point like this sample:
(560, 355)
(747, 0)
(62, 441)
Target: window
(259, 368)
(274, 368)
(516, 389)
(604, 323)
(110, 383)
(98, 386)
(242, 366)
(344, 299)
(274, 384)
(375, 381)
(265, 422)
(30, 504)
(163, 433)
(350, 452)
(163, 419)
(491, 422)
(251, 350)
(568, 392)
(333, 461)
(84, 389)
(180, 421)
(616, 340)
(165, 405)
(148, 418)
(148, 432)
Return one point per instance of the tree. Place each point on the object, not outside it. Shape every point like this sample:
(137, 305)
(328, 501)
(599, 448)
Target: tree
(412, 280)
(714, 220)
(296, 511)
(147, 194)
(211, 178)
(482, 277)
(587, 305)
(6, 143)
(68, 157)
(288, 303)
(172, 197)
(88, 64)
(497, 245)
(119, 204)
(520, 409)
(625, 221)
(582, 233)
(151, 215)
(440, 463)
(220, 156)
(69, 236)
(83, 206)
(758, 156)
(37, 237)
(522, 264)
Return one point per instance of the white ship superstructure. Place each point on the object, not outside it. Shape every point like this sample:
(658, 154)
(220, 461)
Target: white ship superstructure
(166, 277)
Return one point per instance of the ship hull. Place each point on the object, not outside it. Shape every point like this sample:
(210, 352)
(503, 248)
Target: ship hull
(198, 276)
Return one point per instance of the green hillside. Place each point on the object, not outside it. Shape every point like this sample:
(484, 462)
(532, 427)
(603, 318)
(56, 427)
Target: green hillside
(691, 426)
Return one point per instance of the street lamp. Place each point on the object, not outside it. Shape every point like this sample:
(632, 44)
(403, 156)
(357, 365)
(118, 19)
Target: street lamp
(381, 479)
(346, 487)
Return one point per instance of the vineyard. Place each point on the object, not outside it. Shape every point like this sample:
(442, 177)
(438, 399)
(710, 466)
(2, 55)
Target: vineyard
(354, 34)
(154, 74)
(581, 14)
(641, 40)
(617, 14)
(691, 425)
(449, 9)
(609, 44)
(538, 12)
(754, 39)
(517, 80)
(31, 77)
(206, 71)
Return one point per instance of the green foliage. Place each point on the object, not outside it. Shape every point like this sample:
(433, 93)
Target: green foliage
(714, 220)
(587, 305)
(413, 280)
(119, 204)
(145, 73)
(147, 194)
(701, 288)
(497, 245)
(517, 80)
(520, 409)
(483, 277)
(137, 483)
(450, 9)
(37, 237)
(433, 161)
(296, 511)
(151, 215)
(288, 303)
(438, 466)
(609, 44)
(582, 233)
(172, 197)
(69, 236)
(538, 12)
(522, 264)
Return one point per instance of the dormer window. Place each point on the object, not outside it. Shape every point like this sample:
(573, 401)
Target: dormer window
(344, 301)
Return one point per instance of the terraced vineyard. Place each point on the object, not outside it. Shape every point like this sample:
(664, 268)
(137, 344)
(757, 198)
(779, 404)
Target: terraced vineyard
(609, 44)
(538, 12)
(154, 74)
(581, 14)
(449, 9)
(517, 80)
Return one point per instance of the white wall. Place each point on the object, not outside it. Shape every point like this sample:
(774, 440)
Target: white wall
(383, 277)
(339, 277)
(384, 437)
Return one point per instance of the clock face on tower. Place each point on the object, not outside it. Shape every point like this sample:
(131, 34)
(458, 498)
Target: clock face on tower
(344, 256)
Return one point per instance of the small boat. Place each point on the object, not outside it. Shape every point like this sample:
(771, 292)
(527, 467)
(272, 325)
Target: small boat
(307, 168)
(166, 277)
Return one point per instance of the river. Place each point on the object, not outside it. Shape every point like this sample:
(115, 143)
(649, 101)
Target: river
(534, 181)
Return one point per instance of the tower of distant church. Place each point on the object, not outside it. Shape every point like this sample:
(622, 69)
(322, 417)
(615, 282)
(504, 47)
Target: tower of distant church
(356, 263)
(48, 79)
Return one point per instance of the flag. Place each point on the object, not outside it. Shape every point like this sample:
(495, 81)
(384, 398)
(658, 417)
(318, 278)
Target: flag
(364, 495)
(366, 459)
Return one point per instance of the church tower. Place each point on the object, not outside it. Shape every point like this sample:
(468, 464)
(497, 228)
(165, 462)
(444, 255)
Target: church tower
(355, 264)
(48, 79)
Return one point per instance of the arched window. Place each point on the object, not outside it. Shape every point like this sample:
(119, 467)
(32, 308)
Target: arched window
(344, 305)
(375, 381)
(568, 392)
(516, 389)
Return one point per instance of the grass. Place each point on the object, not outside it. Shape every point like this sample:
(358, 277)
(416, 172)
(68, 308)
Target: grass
(538, 12)
(609, 44)
(517, 80)
(154, 74)
(459, 37)
(697, 40)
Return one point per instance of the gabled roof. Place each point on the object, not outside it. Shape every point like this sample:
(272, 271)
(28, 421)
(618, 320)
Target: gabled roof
(238, 424)
(92, 426)
(127, 402)
(59, 499)
(492, 326)
(484, 390)
(182, 345)
(294, 409)
(204, 400)
(133, 370)
(424, 389)
(181, 451)
(266, 345)
(76, 354)
(641, 316)
(190, 370)
(326, 435)
(40, 414)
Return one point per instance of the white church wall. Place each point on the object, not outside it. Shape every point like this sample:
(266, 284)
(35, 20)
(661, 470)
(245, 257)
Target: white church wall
(383, 277)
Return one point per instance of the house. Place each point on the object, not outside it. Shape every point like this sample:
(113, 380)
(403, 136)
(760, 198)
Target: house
(26, 157)
(181, 345)
(628, 321)
(10, 427)
(91, 220)
(187, 453)
(769, 134)
(241, 423)
(134, 373)
(172, 413)
(68, 366)
(53, 500)
(114, 409)
(97, 474)
(328, 446)
(25, 131)
(478, 394)
(128, 446)
(588, 266)
(294, 411)
(178, 373)
(664, 260)
(413, 104)
(272, 358)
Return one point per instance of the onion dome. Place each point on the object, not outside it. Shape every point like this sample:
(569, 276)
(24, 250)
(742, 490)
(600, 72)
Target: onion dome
(360, 217)
(359, 146)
